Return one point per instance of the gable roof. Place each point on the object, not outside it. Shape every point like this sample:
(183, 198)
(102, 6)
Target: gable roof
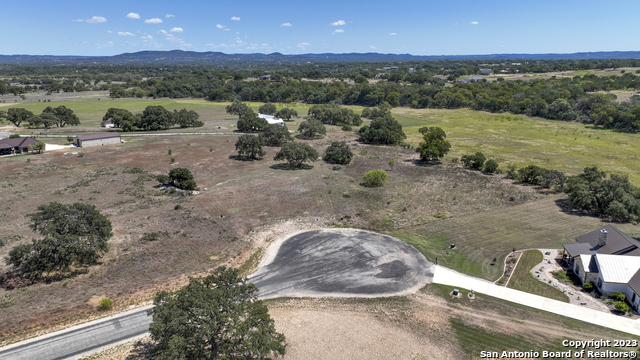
(98, 136)
(271, 119)
(578, 249)
(634, 282)
(589, 263)
(617, 243)
(617, 269)
(18, 142)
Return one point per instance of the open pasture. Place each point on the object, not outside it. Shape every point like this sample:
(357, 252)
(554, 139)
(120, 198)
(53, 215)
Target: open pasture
(522, 140)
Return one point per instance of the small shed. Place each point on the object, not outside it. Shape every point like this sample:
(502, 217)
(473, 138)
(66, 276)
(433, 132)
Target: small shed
(265, 77)
(485, 72)
(98, 139)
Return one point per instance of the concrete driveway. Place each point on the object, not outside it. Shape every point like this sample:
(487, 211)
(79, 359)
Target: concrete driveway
(340, 263)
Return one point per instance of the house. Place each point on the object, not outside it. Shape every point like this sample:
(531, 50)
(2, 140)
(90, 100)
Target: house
(272, 120)
(610, 259)
(380, 75)
(607, 240)
(16, 146)
(471, 79)
(411, 70)
(615, 275)
(441, 77)
(98, 139)
(265, 77)
(485, 72)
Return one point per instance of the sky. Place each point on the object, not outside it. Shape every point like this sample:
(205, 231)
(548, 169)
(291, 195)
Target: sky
(427, 27)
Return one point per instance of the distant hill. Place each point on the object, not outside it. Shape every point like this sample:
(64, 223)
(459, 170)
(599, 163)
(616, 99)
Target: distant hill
(217, 58)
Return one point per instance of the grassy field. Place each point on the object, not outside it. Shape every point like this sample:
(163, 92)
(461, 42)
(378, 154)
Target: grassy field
(522, 280)
(489, 233)
(522, 140)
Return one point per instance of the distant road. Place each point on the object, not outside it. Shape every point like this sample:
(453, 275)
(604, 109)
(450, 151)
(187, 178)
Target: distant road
(81, 339)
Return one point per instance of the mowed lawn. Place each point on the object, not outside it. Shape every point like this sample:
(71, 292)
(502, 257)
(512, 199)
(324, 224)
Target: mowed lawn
(523, 280)
(493, 233)
(522, 140)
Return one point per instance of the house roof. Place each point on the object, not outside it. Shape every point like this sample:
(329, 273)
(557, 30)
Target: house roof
(578, 249)
(588, 263)
(617, 242)
(634, 282)
(271, 119)
(98, 136)
(18, 142)
(616, 268)
(441, 77)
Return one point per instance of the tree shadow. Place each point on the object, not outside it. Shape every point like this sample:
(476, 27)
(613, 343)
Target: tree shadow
(243, 158)
(142, 350)
(566, 207)
(419, 162)
(302, 137)
(286, 166)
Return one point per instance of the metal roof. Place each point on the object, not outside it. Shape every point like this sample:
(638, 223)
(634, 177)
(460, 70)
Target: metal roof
(578, 249)
(98, 136)
(617, 241)
(18, 142)
(634, 282)
(271, 119)
(616, 268)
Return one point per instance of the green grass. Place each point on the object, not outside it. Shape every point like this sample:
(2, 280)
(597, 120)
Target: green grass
(438, 247)
(522, 140)
(523, 280)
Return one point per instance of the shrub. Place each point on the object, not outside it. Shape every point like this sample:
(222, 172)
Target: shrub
(621, 306)
(14, 136)
(105, 304)
(69, 139)
(475, 161)
(182, 179)
(374, 178)
(491, 166)
(163, 179)
(588, 285)
(338, 152)
(618, 296)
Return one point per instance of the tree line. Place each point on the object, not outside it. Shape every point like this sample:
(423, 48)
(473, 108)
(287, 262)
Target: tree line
(152, 118)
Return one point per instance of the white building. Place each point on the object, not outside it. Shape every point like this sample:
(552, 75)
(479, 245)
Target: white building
(272, 120)
(98, 139)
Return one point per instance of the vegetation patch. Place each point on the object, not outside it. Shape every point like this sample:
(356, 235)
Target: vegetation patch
(523, 280)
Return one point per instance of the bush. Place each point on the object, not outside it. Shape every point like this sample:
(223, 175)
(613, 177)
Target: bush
(105, 304)
(338, 153)
(621, 306)
(588, 285)
(182, 179)
(475, 161)
(618, 296)
(491, 166)
(374, 178)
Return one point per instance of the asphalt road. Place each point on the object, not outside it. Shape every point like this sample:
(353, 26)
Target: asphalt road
(81, 339)
(333, 262)
(340, 262)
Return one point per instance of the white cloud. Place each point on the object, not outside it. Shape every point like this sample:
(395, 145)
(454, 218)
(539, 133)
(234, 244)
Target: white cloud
(146, 37)
(286, 24)
(303, 45)
(176, 30)
(125, 33)
(220, 26)
(393, 34)
(265, 45)
(109, 32)
(338, 31)
(235, 18)
(226, 29)
(338, 23)
(96, 20)
(93, 20)
(474, 23)
(455, 24)
(173, 38)
(133, 16)
(163, 32)
(169, 16)
(153, 21)
(372, 47)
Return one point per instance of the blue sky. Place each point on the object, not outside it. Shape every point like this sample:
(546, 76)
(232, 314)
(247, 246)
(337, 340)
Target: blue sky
(455, 27)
